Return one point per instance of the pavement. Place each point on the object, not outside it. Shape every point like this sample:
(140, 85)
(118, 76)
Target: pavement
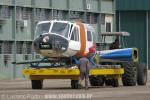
(20, 89)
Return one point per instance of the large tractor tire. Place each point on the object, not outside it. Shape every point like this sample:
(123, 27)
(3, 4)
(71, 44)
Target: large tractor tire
(37, 84)
(75, 85)
(141, 74)
(129, 77)
(96, 81)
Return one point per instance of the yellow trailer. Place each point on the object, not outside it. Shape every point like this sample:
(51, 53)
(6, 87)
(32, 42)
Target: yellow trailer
(38, 75)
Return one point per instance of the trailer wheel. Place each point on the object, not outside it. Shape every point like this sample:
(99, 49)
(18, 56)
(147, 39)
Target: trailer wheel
(108, 82)
(130, 74)
(37, 84)
(96, 81)
(112, 82)
(115, 83)
(141, 74)
(74, 84)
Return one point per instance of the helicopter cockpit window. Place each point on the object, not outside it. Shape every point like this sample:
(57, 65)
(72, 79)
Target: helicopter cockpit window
(42, 28)
(94, 36)
(61, 29)
(74, 35)
(89, 36)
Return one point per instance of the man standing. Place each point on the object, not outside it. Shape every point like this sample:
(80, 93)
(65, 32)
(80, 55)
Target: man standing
(115, 45)
(84, 71)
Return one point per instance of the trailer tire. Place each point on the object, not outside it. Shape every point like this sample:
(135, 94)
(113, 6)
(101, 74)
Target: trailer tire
(112, 82)
(96, 81)
(129, 77)
(115, 83)
(74, 84)
(141, 74)
(108, 82)
(37, 84)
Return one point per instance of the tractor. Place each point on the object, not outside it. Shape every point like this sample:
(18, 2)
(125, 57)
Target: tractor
(134, 72)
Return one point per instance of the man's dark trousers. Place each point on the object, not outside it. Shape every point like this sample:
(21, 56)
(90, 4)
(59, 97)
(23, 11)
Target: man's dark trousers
(84, 71)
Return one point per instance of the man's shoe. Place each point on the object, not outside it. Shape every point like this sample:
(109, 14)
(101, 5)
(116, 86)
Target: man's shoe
(79, 86)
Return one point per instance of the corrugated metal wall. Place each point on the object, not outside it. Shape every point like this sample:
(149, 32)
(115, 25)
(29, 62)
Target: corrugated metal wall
(135, 23)
(148, 37)
(132, 4)
(134, 16)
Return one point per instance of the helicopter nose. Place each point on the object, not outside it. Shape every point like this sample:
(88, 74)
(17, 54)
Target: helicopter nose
(46, 39)
(51, 42)
(58, 46)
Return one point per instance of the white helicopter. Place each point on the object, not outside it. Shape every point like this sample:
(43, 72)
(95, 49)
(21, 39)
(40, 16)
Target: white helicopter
(64, 39)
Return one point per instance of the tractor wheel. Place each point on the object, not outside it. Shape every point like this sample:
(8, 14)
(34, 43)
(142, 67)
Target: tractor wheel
(37, 84)
(141, 74)
(96, 81)
(129, 77)
(74, 84)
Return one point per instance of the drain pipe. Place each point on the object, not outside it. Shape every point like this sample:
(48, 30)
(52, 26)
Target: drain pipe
(147, 47)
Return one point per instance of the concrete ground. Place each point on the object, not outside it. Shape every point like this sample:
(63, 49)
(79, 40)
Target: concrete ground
(20, 89)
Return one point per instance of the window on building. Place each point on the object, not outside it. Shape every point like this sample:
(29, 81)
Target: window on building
(55, 12)
(93, 18)
(89, 36)
(26, 13)
(28, 46)
(74, 15)
(59, 14)
(38, 15)
(21, 25)
(103, 19)
(1, 47)
(26, 57)
(19, 13)
(42, 14)
(7, 47)
(81, 16)
(5, 12)
(19, 47)
(88, 18)
(1, 29)
(64, 15)
(6, 59)
(47, 14)
(23, 13)
(108, 27)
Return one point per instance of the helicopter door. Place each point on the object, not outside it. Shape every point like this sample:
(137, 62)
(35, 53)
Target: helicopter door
(75, 39)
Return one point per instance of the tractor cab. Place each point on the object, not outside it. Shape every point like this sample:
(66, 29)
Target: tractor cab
(113, 40)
